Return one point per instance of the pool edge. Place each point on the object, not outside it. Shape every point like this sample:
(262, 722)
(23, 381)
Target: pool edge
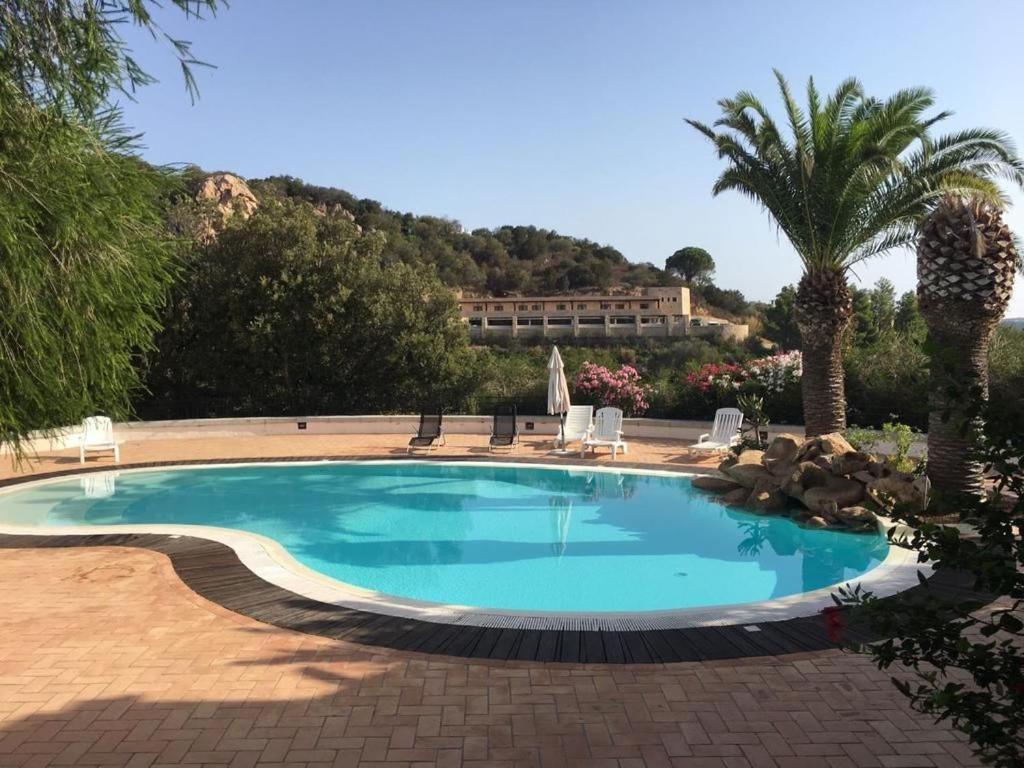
(271, 562)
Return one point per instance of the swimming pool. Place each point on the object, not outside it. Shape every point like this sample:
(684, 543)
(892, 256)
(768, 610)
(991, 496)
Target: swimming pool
(493, 536)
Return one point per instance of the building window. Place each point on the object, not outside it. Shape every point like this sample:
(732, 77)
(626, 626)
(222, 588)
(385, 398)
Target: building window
(529, 321)
(500, 322)
(591, 321)
(499, 307)
(581, 306)
(475, 322)
(605, 305)
(560, 306)
(522, 306)
(559, 321)
(478, 307)
(623, 320)
(645, 305)
(620, 306)
(535, 307)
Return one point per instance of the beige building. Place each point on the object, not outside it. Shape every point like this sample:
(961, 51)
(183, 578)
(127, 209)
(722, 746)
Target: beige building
(656, 312)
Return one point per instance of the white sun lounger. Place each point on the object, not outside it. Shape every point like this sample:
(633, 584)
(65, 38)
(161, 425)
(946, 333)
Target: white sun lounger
(578, 420)
(607, 433)
(725, 433)
(98, 437)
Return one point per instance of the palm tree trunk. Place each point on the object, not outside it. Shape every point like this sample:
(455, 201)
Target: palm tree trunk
(823, 308)
(959, 387)
(824, 393)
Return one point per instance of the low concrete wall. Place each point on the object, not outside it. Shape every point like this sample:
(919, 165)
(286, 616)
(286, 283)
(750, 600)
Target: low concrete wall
(652, 429)
(668, 429)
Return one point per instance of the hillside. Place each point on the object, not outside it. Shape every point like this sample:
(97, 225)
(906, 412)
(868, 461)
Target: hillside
(509, 259)
(1014, 322)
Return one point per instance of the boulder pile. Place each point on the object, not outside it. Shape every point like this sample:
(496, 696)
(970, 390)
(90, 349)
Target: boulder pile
(821, 482)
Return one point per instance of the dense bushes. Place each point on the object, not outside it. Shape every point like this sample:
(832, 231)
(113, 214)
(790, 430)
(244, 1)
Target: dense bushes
(295, 311)
(886, 380)
(509, 258)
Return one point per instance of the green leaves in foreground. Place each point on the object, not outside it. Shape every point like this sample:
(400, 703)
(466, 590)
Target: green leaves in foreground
(85, 260)
(962, 662)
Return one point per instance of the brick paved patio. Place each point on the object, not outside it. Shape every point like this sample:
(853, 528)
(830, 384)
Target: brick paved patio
(106, 658)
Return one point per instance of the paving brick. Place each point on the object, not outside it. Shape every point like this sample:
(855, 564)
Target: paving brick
(108, 659)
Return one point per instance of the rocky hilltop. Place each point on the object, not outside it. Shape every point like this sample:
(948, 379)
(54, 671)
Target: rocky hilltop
(821, 482)
(222, 196)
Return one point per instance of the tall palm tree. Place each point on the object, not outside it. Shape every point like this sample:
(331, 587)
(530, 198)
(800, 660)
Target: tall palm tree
(966, 264)
(853, 179)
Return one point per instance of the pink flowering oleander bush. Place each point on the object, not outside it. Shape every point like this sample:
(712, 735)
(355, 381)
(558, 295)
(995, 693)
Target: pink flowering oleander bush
(717, 377)
(619, 389)
(776, 378)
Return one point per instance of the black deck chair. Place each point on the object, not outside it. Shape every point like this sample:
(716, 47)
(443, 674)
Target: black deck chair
(504, 433)
(430, 434)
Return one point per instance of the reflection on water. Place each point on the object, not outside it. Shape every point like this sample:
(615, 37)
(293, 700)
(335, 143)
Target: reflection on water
(495, 536)
(100, 485)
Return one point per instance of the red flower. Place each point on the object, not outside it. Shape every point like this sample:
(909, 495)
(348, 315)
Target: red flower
(835, 622)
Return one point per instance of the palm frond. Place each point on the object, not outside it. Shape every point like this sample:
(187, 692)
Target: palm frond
(854, 174)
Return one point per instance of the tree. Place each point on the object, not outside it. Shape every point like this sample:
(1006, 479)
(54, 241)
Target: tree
(86, 255)
(883, 302)
(694, 265)
(966, 265)
(852, 179)
(865, 323)
(965, 660)
(297, 311)
(908, 320)
(780, 321)
(69, 55)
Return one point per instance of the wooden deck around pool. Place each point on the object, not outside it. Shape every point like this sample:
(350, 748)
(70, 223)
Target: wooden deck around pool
(214, 571)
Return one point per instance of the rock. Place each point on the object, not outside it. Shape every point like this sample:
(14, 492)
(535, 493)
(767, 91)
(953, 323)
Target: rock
(810, 475)
(816, 522)
(863, 477)
(794, 490)
(747, 475)
(750, 456)
(898, 488)
(857, 518)
(735, 498)
(825, 462)
(781, 470)
(832, 444)
(835, 444)
(879, 468)
(728, 461)
(782, 451)
(805, 475)
(714, 484)
(851, 463)
(840, 491)
(229, 196)
(767, 496)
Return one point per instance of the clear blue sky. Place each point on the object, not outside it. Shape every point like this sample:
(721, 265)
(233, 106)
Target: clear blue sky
(566, 115)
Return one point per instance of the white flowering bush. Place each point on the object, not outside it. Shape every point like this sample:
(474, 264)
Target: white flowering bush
(776, 372)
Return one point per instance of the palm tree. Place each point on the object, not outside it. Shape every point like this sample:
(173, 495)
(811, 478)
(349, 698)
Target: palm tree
(853, 179)
(966, 264)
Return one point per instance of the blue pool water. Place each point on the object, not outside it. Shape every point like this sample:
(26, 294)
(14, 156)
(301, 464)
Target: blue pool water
(499, 537)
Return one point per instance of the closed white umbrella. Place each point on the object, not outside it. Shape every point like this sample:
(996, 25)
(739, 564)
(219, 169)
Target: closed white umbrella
(558, 389)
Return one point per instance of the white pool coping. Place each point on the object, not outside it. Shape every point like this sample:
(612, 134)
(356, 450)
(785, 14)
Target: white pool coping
(270, 561)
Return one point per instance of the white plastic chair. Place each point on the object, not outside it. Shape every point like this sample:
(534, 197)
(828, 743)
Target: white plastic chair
(98, 437)
(606, 433)
(725, 432)
(578, 420)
